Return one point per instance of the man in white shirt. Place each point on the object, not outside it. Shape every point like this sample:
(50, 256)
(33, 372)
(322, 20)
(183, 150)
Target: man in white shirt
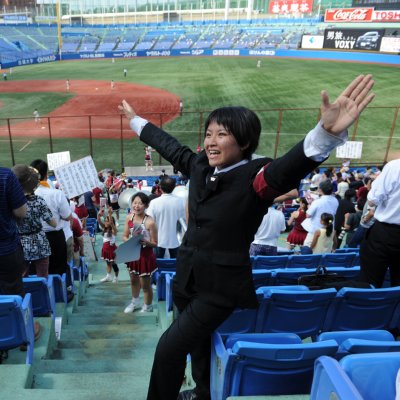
(265, 241)
(59, 206)
(166, 210)
(327, 203)
(380, 249)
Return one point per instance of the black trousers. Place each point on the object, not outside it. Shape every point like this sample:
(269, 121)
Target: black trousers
(58, 258)
(11, 268)
(379, 251)
(190, 334)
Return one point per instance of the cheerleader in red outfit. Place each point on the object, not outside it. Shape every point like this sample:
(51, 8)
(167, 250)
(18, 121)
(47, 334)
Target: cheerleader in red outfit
(298, 233)
(140, 271)
(109, 246)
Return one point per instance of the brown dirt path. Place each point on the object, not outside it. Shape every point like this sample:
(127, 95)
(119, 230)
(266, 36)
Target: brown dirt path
(95, 98)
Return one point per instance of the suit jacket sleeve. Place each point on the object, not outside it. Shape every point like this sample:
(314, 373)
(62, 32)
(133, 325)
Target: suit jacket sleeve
(284, 174)
(181, 157)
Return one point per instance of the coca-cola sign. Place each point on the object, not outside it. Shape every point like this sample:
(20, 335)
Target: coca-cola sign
(349, 14)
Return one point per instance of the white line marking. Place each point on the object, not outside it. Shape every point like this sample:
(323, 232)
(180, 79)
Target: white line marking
(25, 146)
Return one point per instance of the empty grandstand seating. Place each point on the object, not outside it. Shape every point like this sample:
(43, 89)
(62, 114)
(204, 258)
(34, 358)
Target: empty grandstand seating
(268, 365)
(16, 324)
(43, 298)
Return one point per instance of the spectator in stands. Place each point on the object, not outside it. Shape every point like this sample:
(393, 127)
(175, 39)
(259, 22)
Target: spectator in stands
(265, 241)
(229, 194)
(148, 162)
(78, 243)
(352, 222)
(367, 220)
(362, 192)
(12, 208)
(298, 234)
(80, 209)
(35, 245)
(113, 190)
(166, 211)
(357, 183)
(138, 222)
(342, 185)
(380, 250)
(327, 203)
(346, 206)
(89, 204)
(324, 240)
(107, 223)
(59, 206)
(316, 178)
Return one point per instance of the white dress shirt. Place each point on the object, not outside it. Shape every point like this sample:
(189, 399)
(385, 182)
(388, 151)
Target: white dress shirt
(270, 228)
(385, 193)
(58, 204)
(166, 210)
(325, 204)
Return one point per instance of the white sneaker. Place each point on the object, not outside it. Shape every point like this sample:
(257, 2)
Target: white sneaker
(107, 278)
(115, 279)
(131, 307)
(146, 308)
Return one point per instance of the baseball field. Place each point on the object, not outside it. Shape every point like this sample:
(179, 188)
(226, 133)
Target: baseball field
(154, 87)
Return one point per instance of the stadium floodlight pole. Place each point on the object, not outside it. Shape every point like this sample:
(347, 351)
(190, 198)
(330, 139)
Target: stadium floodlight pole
(58, 10)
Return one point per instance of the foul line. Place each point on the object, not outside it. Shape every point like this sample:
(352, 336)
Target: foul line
(19, 140)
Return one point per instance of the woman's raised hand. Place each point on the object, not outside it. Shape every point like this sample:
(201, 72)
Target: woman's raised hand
(127, 109)
(338, 116)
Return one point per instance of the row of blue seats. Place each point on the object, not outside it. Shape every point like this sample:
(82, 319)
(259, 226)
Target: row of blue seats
(308, 313)
(283, 269)
(16, 313)
(281, 364)
(346, 259)
(356, 377)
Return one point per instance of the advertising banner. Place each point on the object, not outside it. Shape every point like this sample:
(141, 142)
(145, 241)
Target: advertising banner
(353, 39)
(390, 45)
(290, 6)
(312, 42)
(349, 14)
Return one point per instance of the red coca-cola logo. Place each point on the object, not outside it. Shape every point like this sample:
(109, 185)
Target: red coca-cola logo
(348, 14)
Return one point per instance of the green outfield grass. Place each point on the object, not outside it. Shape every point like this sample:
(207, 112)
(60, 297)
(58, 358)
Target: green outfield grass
(207, 83)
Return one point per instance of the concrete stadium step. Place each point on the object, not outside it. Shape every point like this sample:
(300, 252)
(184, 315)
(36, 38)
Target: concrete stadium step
(96, 366)
(138, 341)
(96, 318)
(113, 393)
(122, 383)
(107, 332)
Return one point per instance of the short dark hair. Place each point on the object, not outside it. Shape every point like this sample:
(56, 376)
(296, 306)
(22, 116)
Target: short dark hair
(242, 123)
(167, 184)
(142, 196)
(349, 194)
(41, 166)
(326, 186)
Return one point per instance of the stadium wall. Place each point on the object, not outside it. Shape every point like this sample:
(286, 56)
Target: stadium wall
(310, 54)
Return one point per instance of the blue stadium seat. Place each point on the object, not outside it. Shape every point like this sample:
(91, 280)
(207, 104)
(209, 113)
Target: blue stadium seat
(356, 309)
(164, 266)
(43, 298)
(304, 261)
(289, 276)
(299, 312)
(16, 324)
(260, 292)
(351, 273)
(347, 250)
(261, 277)
(331, 382)
(345, 340)
(169, 303)
(60, 288)
(267, 368)
(270, 262)
(338, 259)
(374, 375)
(240, 321)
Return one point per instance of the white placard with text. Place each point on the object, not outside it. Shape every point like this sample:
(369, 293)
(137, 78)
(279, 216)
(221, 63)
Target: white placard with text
(349, 150)
(77, 177)
(55, 160)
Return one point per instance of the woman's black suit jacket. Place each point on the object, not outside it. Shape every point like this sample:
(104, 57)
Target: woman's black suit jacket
(224, 214)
